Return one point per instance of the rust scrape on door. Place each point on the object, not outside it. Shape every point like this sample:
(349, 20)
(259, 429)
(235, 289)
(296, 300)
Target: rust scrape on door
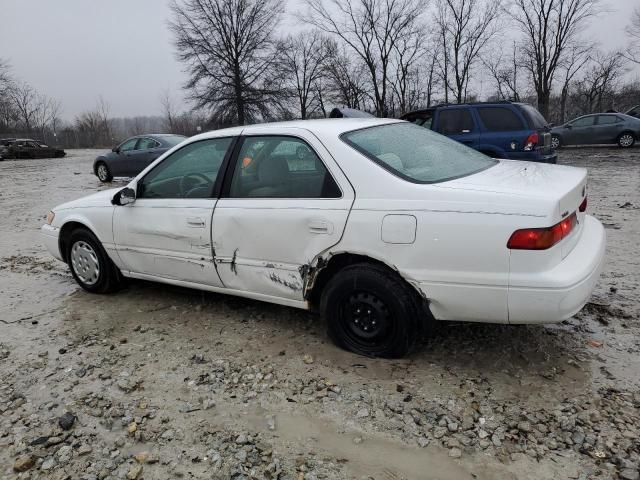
(309, 272)
(292, 284)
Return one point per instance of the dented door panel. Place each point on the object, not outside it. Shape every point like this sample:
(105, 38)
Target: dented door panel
(169, 238)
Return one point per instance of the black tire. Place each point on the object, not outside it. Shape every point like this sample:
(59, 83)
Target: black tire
(557, 141)
(107, 279)
(371, 311)
(626, 140)
(103, 172)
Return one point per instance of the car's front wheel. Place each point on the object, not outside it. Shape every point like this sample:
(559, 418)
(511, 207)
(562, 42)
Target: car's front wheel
(90, 265)
(626, 140)
(103, 172)
(556, 143)
(371, 311)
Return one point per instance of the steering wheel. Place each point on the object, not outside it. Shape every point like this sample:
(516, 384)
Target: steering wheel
(184, 184)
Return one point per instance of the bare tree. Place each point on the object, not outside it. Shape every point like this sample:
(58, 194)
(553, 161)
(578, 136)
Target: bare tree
(407, 84)
(25, 100)
(169, 110)
(104, 109)
(346, 81)
(227, 46)
(504, 73)
(600, 81)
(576, 59)
(465, 27)
(632, 52)
(371, 29)
(89, 125)
(304, 57)
(549, 27)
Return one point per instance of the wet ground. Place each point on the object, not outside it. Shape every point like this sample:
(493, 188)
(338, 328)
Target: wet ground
(162, 382)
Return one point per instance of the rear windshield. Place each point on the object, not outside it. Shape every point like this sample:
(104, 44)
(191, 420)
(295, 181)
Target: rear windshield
(417, 154)
(536, 120)
(173, 140)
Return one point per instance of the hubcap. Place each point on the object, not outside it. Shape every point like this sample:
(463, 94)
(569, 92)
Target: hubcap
(102, 172)
(84, 262)
(555, 142)
(626, 140)
(367, 316)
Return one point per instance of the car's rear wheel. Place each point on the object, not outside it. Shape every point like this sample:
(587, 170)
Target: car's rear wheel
(556, 143)
(626, 140)
(90, 265)
(371, 311)
(103, 172)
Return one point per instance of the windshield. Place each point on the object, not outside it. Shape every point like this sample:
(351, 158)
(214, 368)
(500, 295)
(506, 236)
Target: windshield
(173, 140)
(417, 154)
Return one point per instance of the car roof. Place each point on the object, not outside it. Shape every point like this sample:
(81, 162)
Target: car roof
(324, 126)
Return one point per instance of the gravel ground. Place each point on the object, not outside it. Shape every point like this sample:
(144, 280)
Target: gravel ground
(158, 382)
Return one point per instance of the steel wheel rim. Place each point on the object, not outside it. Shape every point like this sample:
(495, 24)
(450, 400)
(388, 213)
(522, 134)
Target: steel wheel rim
(85, 263)
(366, 319)
(102, 172)
(626, 140)
(555, 142)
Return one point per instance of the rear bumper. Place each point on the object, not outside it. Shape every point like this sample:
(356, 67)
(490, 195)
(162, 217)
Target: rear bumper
(568, 285)
(50, 237)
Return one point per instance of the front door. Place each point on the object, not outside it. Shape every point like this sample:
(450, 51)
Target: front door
(581, 131)
(285, 202)
(121, 164)
(166, 232)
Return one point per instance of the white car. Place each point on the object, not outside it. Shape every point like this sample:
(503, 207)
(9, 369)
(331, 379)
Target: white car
(382, 225)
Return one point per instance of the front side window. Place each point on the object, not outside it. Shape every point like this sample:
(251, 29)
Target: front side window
(500, 119)
(455, 121)
(128, 145)
(417, 154)
(146, 144)
(190, 172)
(280, 167)
(583, 122)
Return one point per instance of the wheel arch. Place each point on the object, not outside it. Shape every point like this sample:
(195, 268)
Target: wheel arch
(65, 235)
(325, 268)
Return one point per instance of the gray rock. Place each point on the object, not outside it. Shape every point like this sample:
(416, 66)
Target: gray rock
(629, 474)
(66, 421)
(455, 453)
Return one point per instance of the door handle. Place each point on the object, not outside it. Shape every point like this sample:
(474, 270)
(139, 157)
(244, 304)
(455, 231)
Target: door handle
(320, 227)
(195, 222)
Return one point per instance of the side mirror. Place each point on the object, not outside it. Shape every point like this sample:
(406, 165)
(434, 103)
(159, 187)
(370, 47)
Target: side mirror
(124, 197)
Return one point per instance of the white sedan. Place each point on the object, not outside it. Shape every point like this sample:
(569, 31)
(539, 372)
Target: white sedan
(382, 225)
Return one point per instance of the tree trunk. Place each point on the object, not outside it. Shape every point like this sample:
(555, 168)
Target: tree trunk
(543, 102)
(563, 103)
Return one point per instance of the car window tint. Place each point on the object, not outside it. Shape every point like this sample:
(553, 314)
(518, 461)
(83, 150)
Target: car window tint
(173, 140)
(607, 119)
(500, 119)
(187, 173)
(584, 121)
(280, 167)
(536, 120)
(417, 154)
(455, 121)
(129, 145)
(146, 144)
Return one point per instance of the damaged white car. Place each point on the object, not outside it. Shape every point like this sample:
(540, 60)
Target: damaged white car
(382, 225)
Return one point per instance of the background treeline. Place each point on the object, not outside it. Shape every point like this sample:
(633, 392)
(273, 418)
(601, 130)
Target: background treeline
(383, 56)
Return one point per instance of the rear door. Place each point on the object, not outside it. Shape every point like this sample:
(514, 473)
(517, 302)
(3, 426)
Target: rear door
(166, 232)
(284, 202)
(607, 128)
(458, 124)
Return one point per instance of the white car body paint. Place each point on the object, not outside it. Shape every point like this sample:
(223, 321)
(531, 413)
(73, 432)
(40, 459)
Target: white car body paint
(448, 239)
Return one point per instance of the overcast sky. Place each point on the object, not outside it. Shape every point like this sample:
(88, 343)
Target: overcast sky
(76, 50)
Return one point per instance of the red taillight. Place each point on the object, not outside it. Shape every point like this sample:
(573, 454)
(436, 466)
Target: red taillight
(583, 205)
(542, 238)
(532, 141)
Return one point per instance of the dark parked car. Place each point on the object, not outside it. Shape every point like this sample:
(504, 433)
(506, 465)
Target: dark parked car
(133, 155)
(508, 130)
(598, 128)
(28, 148)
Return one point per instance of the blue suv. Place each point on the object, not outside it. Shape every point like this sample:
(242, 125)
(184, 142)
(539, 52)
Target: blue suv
(510, 130)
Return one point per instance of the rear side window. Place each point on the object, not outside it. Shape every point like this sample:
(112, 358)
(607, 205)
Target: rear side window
(584, 121)
(455, 121)
(416, 154)
(607, 119)
(500, 119)
(533, 116)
